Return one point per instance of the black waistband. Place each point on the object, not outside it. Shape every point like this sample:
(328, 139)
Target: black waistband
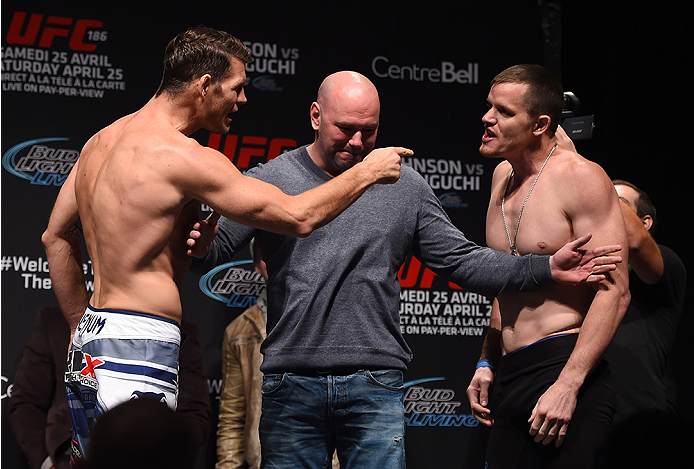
(546, 352)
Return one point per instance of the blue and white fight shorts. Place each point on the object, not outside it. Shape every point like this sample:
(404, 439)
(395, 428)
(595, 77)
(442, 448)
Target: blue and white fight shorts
(117, 356)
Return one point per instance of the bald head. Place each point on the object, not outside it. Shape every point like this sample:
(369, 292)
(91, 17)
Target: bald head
(345, 117)
(348, 85)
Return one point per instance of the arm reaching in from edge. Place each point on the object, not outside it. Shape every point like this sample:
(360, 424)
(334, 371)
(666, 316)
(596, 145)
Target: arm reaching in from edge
(573, 265)
(644, 254)
(383, 165)
(212, 179)
(563, 139)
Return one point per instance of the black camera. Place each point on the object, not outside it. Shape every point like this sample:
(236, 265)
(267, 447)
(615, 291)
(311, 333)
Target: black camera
(578, 128)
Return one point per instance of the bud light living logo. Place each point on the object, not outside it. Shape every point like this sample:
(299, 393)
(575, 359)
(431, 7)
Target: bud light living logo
(452, 200)
(266, 83)
(40, 163)
(235, 283)
(433, 407)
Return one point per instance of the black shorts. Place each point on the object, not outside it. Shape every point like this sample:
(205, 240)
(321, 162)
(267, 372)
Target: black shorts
(522, 377)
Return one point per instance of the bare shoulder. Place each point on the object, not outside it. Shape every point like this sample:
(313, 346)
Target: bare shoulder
(574, 164)
(582, 184)
(192, 155)
(501, 173)
(502, 168)
(195, 167)
(106, 137)
(577, 173)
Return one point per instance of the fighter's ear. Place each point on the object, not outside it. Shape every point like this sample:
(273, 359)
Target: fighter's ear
(541, 124)
(315, 115)
(203, 84)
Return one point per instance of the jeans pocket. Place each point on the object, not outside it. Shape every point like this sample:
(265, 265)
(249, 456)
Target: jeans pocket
(272, 383)
(387, 379)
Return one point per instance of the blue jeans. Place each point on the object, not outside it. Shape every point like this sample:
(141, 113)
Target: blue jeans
(305, 418)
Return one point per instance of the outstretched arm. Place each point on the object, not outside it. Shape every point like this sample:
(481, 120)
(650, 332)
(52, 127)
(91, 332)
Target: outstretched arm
(574, 264)
(208, 176)
(62, 243)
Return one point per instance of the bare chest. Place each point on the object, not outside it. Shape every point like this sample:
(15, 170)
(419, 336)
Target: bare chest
(527, 220)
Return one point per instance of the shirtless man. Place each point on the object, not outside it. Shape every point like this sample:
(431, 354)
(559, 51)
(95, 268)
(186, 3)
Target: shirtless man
(136, 191)
(545, 347)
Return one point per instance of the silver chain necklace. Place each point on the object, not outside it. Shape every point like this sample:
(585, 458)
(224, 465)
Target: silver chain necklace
(512, 245)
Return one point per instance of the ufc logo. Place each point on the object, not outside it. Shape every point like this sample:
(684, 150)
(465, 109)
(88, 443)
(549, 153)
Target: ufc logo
(261, 149)
(46, 31)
